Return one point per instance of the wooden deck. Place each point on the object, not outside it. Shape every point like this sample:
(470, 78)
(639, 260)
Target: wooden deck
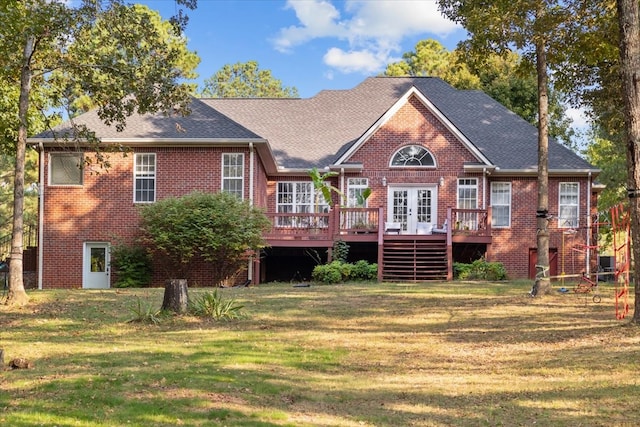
(367, 225)
(401, 257)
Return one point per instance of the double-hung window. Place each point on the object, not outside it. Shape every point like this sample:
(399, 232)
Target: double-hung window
(467, 199)
(233, 174)
(500, 204)
(569, 198)
(355, 192)
(65, 168)
(144, 178)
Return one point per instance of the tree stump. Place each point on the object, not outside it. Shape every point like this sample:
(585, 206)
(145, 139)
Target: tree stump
(176, 298)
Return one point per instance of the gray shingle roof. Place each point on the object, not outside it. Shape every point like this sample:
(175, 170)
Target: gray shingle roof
(316, 131)
(203, 122)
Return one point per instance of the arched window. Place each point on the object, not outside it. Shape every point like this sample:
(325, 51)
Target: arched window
(413, 156)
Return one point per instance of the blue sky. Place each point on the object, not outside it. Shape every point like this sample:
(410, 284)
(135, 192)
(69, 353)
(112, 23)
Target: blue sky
(314, 44)
(311, 44)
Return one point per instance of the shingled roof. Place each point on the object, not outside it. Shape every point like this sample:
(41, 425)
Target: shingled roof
(317, 131)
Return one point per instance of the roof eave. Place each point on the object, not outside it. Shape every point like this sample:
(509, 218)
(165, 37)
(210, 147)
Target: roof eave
(552, 172)
(261, 145)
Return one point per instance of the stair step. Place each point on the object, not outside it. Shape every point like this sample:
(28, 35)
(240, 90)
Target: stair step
(414, 260)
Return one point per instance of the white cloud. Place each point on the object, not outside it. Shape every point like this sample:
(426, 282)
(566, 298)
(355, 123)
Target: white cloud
(578, 118)
(353, 61)
(367, 35)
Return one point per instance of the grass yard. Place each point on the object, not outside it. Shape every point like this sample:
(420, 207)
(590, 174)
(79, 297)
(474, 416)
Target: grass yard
(433, 354)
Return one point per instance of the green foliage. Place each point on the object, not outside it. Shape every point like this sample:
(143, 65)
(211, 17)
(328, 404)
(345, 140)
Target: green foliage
(340, 250)
(339, 271)
(215, 306)
(323, 187)
(245, 80)
(365, 271)
(361, 198)
(327, 273)
(143, 312)
(58, 55)
(218, 228)
(479, 269)
(132, 264)
(505, 77)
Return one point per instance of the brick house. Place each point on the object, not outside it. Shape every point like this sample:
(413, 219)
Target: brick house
(452, 176)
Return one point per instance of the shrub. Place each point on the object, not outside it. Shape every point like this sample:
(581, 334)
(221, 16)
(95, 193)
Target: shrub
(132, 264)
(218, 228)
(480, 269)
(338, 272)
(213, 305)
(340, 250)
(327, 273)
(362, 270)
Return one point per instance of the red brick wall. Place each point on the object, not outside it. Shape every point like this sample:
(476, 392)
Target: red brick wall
(102, 209)
(414, 124)
(511, 245)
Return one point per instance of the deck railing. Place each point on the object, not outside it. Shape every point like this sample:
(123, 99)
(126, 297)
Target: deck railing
(342, 221)
(299, 225)
(476, 222)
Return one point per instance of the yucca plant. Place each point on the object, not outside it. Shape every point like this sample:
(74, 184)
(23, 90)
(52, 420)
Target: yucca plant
(144, 313)
(215, 306)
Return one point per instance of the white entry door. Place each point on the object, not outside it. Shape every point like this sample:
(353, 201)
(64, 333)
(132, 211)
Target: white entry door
(96, 266)
(413, 207)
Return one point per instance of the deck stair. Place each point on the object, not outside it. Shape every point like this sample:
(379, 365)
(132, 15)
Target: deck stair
(413, 259)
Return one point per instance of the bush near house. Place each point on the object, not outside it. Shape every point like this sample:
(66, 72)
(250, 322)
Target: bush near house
(216, 228)
(132, 266)
(479, 269)
(340, 271)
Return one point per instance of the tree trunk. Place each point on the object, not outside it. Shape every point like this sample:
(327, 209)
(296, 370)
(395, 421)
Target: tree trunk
(176, 298)
(17, 294)
(542, 285)
(629, 23)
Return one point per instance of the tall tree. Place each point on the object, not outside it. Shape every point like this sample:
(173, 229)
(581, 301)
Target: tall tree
(245, 80)
(629, 25)
(530, 27)
(124, 57)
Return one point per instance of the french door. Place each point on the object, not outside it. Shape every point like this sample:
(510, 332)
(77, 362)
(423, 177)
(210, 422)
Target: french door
(413, 207)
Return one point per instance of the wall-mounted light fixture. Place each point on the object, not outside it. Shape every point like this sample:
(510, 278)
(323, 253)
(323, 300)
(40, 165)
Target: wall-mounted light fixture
(384, 181)
(441, 181)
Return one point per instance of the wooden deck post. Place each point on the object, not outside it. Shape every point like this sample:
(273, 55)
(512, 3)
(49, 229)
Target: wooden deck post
(449, 246)
(380, 242)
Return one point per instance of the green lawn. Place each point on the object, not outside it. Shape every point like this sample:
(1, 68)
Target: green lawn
(433, 354)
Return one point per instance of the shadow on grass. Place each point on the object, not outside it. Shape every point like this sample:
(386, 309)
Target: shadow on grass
(334, 355)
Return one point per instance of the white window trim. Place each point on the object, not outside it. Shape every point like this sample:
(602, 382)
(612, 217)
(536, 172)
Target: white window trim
(395, 153)
(351, 203)
(459, 187)
(223, 177)
(65, 154)
(509, 204)
(154, 176)
(561, 221)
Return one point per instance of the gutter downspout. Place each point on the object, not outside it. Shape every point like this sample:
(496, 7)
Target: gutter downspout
(40, 214)
(251, 202)
(588, 258)
(484, 188)
(251, 172)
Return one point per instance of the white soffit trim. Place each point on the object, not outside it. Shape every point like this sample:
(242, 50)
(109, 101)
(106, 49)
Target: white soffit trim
(395, 108)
